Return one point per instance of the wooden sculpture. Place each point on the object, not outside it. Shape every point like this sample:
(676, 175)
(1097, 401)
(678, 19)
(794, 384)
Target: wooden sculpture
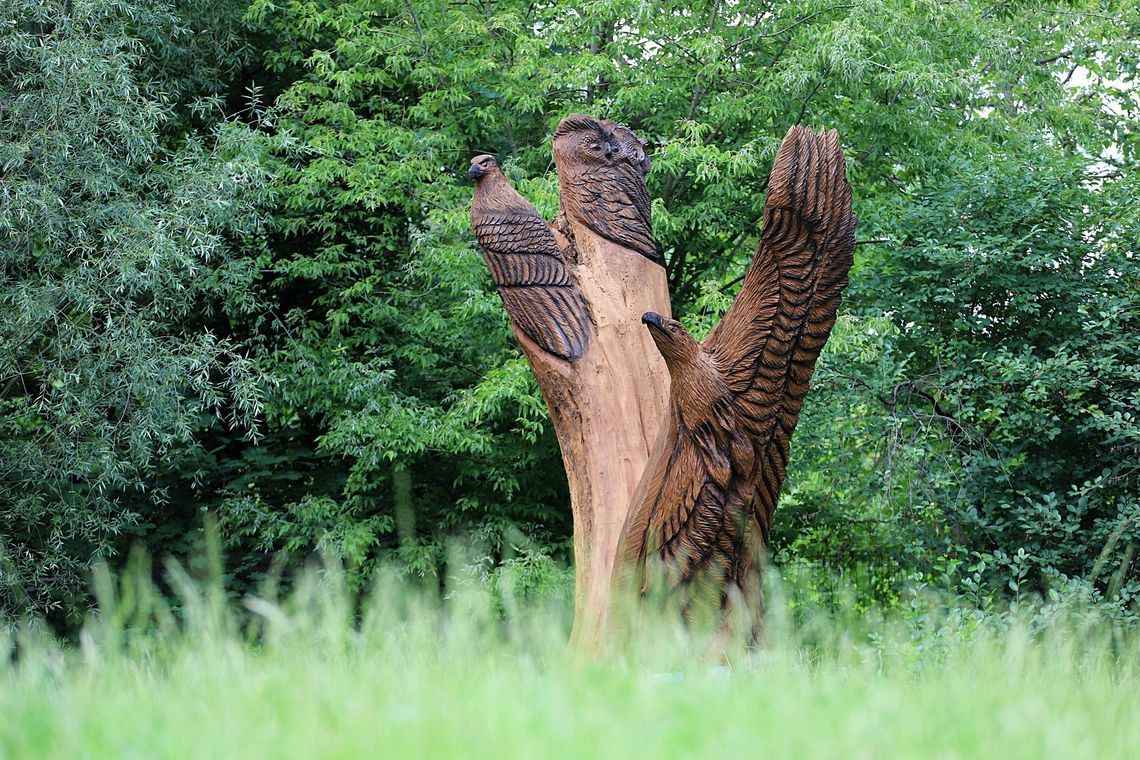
(606, 386)
(589, 305)
(601, 172)
(701, 516)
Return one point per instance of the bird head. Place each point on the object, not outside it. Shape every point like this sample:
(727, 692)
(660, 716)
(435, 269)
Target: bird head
(630, 147)
(585, 139)
(481, 166)
(674, 342)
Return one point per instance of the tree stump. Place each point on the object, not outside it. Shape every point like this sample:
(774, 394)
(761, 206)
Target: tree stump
(575, 292)
(578, 294)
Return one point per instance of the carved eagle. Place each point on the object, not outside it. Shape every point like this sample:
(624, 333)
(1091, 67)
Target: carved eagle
(702, 512)
(536, 284)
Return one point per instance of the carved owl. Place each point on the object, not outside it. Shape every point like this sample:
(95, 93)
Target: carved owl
(601, 179)
(602, 167)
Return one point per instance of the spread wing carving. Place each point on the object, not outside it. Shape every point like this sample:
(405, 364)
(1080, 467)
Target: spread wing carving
(601, 169)
(537, 287)
(768, 342)
(705, 505)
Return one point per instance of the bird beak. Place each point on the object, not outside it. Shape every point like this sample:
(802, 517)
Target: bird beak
(610, 150)
(653, 320)
(475, 172)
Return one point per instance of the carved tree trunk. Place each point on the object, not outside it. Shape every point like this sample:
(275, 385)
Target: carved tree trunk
(576, 291)
(607, 409)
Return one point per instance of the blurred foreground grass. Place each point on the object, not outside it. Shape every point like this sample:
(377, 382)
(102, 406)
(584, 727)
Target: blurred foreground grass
(408, 674)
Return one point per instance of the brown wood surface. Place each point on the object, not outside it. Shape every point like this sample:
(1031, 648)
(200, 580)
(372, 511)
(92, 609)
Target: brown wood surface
(607, 408)
(700, 520)
(675, 451)
(575, 294)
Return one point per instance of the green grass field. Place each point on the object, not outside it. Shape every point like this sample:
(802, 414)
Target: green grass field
(413, 677)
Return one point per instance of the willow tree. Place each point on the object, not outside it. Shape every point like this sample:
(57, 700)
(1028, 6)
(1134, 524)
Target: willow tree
(112, 247)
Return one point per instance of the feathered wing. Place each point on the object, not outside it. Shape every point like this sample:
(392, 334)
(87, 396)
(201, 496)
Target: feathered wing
(697, 496)
(618, 207)
(537, 287)
(630, 171)
(768, 342)
(619, 195)
(705, 503)
(692, 528)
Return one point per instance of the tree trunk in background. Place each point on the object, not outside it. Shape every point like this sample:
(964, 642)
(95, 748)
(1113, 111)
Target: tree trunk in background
(607, 409)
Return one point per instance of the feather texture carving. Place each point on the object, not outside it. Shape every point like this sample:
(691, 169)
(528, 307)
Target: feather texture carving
(703, 510)
(601, 177)
(536, 284)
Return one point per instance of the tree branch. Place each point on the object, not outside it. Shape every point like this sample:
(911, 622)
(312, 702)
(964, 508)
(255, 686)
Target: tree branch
(420, 31)
(799, 22)
(1063, 54)
(810, 95)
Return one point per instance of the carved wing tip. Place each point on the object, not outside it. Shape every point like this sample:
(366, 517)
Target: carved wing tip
(574, 353)
(569, 352)
(806, 159)
(798, 135)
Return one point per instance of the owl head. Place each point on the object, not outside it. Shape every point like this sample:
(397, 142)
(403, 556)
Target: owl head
(631, 147)
(586, 140)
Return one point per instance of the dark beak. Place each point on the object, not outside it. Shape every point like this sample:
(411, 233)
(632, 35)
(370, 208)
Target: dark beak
(653, 319)
(475, 172)
(610, 150)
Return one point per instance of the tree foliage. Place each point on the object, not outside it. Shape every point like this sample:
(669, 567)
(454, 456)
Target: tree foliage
(972, 426)
(113, 248)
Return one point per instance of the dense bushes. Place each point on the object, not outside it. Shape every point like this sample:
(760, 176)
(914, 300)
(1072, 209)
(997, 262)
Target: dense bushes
(1016, 300)
(113, 248)
(207, 221)
(1000, 399)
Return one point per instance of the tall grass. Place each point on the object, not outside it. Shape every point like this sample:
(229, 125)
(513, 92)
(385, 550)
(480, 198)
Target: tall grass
(406, 673)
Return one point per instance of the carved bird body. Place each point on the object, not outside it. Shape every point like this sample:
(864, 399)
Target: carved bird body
(535, 282)
(700, 518)
(601, 177)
